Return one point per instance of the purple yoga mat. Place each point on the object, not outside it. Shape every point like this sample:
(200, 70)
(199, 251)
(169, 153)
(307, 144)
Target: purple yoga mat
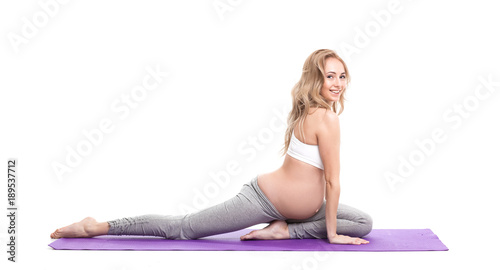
(380, 240)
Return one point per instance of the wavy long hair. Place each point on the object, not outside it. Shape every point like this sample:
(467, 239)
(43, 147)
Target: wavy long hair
(306, 92)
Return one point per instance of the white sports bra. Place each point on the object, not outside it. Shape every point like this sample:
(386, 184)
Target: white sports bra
(308, 153)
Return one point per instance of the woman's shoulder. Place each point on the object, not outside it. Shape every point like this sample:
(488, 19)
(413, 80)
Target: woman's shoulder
(324, 115)
(325, 123)
(317, 121)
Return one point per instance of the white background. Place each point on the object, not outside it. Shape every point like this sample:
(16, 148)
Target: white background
(230, 76)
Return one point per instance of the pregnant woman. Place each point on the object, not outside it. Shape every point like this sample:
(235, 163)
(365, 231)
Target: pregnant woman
(298, 200)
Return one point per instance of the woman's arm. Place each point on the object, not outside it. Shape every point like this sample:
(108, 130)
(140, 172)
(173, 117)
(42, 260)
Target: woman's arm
(329, 149)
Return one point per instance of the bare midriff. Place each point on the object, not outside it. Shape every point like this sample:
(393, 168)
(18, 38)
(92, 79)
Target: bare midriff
(296, 189)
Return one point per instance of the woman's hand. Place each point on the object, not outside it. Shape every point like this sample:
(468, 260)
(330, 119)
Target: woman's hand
(344, 239)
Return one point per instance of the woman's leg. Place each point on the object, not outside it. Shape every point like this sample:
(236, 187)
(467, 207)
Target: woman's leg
(249, 207)
(350, 221)
(246, 209)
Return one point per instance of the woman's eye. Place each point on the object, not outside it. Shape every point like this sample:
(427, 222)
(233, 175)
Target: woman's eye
(342, 77)
(329, 76)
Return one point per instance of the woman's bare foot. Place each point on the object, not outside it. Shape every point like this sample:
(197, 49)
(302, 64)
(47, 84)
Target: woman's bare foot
(88, 227)
(278, 229)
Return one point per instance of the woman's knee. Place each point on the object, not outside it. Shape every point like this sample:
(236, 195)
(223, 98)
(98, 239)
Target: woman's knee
(365, 225)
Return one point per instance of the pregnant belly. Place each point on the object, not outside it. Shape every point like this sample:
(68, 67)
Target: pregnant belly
(293, 198)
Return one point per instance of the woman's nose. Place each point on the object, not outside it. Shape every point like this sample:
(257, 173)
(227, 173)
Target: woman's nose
(336, 82)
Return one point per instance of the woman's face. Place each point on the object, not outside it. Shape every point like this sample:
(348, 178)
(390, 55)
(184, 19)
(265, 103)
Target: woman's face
(335, 80)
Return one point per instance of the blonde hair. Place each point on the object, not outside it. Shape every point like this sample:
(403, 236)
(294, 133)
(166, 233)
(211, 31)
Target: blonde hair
(306, 92)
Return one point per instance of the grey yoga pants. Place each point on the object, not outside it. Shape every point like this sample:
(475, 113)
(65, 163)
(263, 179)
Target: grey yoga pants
(249, 207)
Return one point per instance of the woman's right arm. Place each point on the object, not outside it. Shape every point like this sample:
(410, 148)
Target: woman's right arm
(329, 147)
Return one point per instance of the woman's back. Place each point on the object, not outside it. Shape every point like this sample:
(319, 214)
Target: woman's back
(297, 188)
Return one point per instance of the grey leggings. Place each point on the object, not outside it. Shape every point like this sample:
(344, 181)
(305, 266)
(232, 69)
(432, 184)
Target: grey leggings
(249, 207)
